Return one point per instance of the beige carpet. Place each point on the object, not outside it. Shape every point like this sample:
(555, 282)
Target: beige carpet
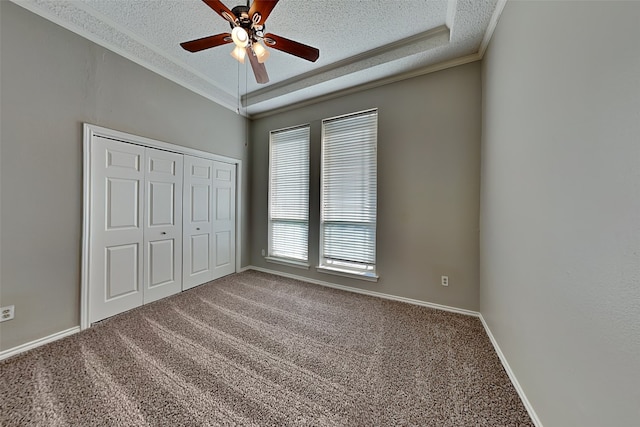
(257, 349)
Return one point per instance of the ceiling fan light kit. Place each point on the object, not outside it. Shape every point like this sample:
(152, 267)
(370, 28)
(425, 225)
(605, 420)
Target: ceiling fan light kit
(261, 52)
(239, 53)
(240, 37)
(247, 30)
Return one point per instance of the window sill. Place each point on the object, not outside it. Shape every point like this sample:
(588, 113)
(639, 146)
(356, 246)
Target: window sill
(288, 262)
(370, 277)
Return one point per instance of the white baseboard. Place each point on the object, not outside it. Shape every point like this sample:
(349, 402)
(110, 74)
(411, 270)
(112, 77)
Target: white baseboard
(367, 292)
(512, 375)
(37, 343)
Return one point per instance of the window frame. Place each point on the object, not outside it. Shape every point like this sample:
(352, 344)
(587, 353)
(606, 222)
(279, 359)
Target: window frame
(270, 256)
(334, 266)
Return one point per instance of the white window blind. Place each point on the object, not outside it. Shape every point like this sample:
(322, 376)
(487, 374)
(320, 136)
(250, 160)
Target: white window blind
(348, 193)
(289, 194)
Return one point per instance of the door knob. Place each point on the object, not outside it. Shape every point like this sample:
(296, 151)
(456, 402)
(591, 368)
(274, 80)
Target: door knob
(198, 228)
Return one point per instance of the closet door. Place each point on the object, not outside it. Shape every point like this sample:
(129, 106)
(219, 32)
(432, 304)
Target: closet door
(116, 224)
(163, 224)
(197, 222)
(224, 222)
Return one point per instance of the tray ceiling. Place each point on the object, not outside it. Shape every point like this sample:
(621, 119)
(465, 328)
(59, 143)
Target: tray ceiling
(362, 43)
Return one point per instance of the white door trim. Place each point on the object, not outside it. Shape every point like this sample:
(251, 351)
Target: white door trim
(89, 131)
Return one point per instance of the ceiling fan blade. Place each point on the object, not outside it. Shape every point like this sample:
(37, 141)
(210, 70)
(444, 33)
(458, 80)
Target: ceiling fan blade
(264, 8)
(259, 70)
(221, 10)
(294, 48)
(207, 42)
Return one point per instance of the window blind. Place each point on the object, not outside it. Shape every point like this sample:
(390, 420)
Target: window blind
(289, 193)
(349, 192)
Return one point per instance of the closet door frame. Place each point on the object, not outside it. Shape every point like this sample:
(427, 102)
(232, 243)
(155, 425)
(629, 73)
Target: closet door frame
(89, 132)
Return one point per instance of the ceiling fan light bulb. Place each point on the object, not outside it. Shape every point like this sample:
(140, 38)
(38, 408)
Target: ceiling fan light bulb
(261, 53)
(240, 36)
(239, 53)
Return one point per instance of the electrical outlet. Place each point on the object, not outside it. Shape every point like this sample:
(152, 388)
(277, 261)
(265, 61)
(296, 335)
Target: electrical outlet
(444, 280)
(263, 252)
(7, 313)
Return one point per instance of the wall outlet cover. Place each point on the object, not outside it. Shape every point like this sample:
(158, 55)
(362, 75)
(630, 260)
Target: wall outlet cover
(7, 313)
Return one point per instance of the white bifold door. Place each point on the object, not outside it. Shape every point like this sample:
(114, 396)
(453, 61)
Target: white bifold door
(224, 219)
(208, 221)
(162, 225)
(135, 227)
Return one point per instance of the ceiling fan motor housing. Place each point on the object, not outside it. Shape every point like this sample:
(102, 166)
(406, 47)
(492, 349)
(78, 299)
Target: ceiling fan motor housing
(254, 30)
(242, 13)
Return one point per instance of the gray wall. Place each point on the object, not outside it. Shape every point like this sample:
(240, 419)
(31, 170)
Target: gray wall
(51, 82)
(560, 215)
(428, 185)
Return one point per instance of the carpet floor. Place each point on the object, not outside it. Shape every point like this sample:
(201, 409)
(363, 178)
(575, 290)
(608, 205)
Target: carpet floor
(257, 349)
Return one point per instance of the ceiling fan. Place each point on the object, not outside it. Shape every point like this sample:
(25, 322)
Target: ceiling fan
(247, 31)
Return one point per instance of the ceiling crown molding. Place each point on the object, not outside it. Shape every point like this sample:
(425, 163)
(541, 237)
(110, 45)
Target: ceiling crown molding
(411, 56)
(371, 85)
(424, 41)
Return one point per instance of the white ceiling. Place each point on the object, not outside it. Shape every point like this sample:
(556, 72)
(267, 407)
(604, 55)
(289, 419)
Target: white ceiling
(361, 42)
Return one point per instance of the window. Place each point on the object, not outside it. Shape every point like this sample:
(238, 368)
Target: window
(289, 195)
(348, 195)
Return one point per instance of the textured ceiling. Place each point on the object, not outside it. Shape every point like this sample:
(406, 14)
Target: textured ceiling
(361, 42)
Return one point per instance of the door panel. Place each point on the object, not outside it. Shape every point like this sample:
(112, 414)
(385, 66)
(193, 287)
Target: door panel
(159, 165)
(162, 203)
(197, 227)
(202, 170)
(223, 244)
(122, 271)
(161, 262)
(115, 257)
(201, 203)
(163, 224)
(201, 253)
(122, 203)
(224, 225)
(223, 204)
(123, 159)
